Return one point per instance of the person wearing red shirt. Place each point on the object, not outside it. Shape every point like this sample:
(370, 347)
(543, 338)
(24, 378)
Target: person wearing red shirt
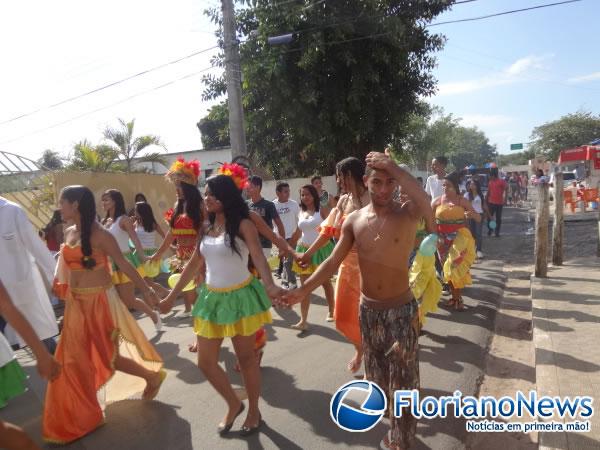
(496, 196)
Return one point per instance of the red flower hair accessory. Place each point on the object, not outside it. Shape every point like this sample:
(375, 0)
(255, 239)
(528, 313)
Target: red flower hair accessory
(238, 173)
(184, 171)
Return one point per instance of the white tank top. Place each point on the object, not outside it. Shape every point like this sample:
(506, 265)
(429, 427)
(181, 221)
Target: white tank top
(224, 267)
(148, 240)
(120, 235)
(308, 225)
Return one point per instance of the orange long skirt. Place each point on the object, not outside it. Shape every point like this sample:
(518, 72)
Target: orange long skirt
(97, 328)
(347, 298)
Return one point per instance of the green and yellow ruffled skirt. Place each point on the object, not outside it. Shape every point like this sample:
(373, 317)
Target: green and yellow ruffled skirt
(12, 381)
(320, 255)
(119, 277)
(239, 310)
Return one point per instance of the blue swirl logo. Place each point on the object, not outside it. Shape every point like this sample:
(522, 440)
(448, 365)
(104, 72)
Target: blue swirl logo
(373, 405)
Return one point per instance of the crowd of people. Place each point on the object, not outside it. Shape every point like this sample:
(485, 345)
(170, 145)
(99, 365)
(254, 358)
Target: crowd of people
(383, 237)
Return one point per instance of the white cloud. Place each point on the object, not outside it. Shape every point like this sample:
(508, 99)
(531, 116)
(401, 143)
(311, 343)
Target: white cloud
(522, 65)
(512, 74)
(583, 78)
(485, 120)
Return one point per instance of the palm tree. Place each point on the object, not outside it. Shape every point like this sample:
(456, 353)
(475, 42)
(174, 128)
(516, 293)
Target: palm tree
(122, 142)
(89, 158)
(51, 160)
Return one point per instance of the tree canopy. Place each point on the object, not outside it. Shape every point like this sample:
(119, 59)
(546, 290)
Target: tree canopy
(343, 87)
(571, 130)
(431, 132)
(127, 148)
(214, 128)
(51, 160)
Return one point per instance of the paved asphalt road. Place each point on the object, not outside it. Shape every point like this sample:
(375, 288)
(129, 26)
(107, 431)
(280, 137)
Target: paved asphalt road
(300, 374)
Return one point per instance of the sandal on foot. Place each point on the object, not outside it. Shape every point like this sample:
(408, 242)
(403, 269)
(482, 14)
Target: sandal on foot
(223, 429)
(247, 431)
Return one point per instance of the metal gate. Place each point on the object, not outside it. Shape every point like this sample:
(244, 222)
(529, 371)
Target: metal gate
(29, 184)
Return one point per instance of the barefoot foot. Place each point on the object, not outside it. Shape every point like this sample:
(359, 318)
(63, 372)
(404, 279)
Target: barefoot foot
(355, 363)
(153, 386)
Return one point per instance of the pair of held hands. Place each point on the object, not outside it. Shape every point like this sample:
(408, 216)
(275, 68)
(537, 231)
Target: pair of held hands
(281, 298)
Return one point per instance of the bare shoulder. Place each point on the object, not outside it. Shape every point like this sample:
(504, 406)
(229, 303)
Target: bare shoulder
(342, 202)
(246, 225)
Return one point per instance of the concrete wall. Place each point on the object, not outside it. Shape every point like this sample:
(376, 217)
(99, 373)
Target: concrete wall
(158, 191)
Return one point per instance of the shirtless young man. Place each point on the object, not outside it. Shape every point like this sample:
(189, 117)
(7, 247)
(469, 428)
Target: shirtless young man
(383, 233)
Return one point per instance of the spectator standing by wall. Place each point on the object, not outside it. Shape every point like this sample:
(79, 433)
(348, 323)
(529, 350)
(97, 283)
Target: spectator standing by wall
(288, 211)
(265, 209)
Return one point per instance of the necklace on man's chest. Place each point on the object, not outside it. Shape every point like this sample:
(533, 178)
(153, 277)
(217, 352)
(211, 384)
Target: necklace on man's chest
(378, 234)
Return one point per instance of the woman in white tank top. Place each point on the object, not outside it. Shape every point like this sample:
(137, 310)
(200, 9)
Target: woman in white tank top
(231, 302)
(121, 227)
(306, 234)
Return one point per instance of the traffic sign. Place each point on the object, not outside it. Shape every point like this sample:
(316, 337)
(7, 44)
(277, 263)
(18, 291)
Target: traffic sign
(516, 146)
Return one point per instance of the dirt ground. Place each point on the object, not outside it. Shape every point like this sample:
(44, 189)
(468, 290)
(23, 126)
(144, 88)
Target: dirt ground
(510, 364)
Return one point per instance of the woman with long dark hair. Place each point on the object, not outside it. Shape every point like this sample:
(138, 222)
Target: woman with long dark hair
(231, 301)
(121, 227)
(349, 175)
(477, 199)
(456, 246)
(98, 330)
(147, 229)
(184, 221)
(309, 220)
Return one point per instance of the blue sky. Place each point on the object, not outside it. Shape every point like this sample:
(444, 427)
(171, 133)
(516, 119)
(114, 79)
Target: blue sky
(505, 75)
(511, 73)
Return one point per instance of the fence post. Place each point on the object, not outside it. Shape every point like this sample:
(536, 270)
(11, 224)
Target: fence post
(557, 229)
(542, 212)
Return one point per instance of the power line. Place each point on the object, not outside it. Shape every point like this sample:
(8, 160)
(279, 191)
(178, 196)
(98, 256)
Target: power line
(114, 83)
(190, 75)
(503, 13)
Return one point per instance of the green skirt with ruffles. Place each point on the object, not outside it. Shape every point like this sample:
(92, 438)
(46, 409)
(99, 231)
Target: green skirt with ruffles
(12, 381)
(320, 255)
(239, 310)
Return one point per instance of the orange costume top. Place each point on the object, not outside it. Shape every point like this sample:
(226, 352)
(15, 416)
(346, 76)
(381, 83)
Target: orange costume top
(97, 328)
(347, 285)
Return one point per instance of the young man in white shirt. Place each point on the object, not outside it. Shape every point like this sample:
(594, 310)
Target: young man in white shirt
(288, 213)
(434, 183)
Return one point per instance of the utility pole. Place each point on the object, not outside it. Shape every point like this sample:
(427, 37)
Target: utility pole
(233, 75)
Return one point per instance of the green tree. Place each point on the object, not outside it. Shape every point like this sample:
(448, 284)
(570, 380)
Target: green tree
(426, 134)
(433, 132)
(51, 160)
(127, 148)
(343, 87)
(214, 128)
(470, 145)
(569, 131)
(89, 158)
(519, 158)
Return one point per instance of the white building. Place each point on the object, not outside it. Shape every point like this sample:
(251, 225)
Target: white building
(209, 160)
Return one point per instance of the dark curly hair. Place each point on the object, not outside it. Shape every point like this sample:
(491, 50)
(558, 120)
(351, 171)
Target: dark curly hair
(224, 189)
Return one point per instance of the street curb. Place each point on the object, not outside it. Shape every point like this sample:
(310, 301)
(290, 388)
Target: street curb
(546, 375)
